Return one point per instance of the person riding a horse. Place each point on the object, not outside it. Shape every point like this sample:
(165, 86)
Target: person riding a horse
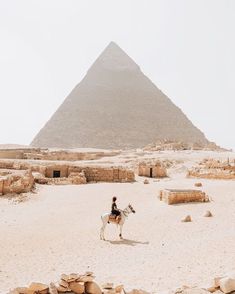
(114, 210)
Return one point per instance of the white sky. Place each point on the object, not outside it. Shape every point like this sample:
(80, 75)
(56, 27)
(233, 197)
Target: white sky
(186, 47)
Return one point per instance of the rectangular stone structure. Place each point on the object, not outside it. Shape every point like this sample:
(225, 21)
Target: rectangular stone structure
(175, 196)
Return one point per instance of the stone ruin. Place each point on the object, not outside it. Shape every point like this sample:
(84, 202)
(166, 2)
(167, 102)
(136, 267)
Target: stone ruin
(85, 284)
(152, 169)
(53, 154)
(175, 196)
(15, 181)
(174, 145)
(214, 169)
(19, 176)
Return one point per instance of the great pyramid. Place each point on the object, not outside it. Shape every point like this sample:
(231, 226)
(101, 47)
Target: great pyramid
(116, 106)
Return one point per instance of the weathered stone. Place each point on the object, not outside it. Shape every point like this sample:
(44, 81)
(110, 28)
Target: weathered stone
(227, 284)
(53, 289)
(92, 288)
(187, 219)
(85, 279)
(119, 288)
(198, 184)
(39, 288)
(146, 181)
(208, 214)
(107, 286)
(77, 287)
(175, 196)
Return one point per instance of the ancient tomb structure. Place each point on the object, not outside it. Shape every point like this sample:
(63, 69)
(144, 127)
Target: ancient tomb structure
(116, 106)
(152, 170)
(54, 172)
(174, 196)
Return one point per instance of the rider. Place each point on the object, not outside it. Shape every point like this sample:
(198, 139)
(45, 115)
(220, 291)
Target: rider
(114, 209)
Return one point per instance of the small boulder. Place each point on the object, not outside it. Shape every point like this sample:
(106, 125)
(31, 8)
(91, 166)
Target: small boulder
(119, 288)
(107, 286)
(39, 288)
(187, 219)
(208, 214)
(92, 288)
(146, 181)
(198, 184)
(227, 284)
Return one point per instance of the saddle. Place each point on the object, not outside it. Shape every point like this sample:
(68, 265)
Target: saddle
(114, 219)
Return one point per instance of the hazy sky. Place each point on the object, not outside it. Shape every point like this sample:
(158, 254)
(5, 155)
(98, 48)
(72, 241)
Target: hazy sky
(186, 47)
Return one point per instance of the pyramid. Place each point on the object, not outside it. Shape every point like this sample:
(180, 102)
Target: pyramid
(116, 106)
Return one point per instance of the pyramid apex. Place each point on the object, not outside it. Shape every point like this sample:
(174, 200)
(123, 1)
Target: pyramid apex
(114, 58)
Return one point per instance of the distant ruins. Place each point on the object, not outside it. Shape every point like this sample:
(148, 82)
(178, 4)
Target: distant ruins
(214, 169)
(116, 106)
(21, 168)
(152, 169)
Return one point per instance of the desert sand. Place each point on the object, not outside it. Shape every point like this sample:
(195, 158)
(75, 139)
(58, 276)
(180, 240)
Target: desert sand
(56, 230)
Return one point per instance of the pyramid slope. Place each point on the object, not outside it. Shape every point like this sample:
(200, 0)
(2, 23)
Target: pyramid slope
(116, 106)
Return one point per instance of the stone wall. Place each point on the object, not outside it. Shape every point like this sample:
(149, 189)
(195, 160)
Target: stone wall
(45, 170)
(154, 170)
(16, 182)
(112, 174)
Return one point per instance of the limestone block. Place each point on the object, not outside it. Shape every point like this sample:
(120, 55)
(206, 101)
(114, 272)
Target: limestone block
(227, 284)
(187, 219)
(39, 288)
(92, 288)
(77, 287)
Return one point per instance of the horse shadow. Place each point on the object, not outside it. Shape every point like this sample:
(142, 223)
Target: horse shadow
(127, 242)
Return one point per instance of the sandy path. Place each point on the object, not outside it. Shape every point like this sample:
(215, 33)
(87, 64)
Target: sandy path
(57, 231)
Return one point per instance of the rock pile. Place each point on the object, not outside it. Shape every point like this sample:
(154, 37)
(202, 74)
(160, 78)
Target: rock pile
(84, 284)
(74, 284)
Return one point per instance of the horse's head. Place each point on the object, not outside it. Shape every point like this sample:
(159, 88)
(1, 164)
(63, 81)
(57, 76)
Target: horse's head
(131, 209)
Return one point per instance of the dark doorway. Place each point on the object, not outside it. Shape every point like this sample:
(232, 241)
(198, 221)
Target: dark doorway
(56, 174)
(151, 172)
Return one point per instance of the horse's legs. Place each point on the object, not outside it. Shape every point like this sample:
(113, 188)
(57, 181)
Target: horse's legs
(102, 229)
(120, 235)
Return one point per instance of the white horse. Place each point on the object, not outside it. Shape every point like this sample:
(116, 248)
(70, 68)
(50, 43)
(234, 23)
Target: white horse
(105, 219)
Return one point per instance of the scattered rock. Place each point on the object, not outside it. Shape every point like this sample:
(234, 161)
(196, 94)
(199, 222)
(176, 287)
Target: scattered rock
(146, 181)
(198, 184)
(92, 288)
(208, 214)
(107, 286)
(227, 284)
(39, 288)
(187, 219)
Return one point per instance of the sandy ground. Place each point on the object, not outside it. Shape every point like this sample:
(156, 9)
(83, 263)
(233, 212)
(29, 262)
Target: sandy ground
(57, 231)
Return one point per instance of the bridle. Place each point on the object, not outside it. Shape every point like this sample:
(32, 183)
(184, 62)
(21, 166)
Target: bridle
(128, 210)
